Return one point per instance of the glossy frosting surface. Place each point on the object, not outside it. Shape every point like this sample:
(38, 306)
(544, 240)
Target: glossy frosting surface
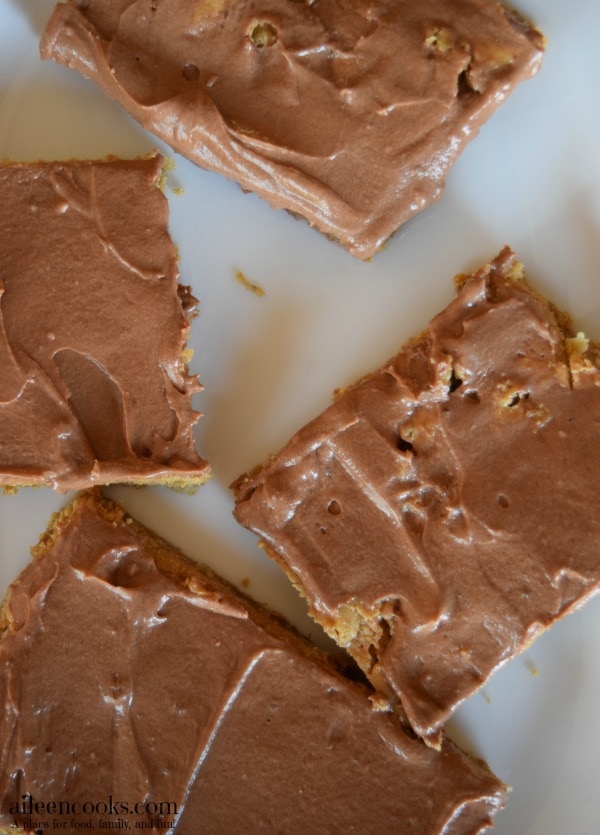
(451, 497)
(93, 324)
(346, 112)
(117, 680)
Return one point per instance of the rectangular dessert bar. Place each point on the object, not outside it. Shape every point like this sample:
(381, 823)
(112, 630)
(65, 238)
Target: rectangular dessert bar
(94, 387)
(444, 510)
(129, 673)
(348, 113)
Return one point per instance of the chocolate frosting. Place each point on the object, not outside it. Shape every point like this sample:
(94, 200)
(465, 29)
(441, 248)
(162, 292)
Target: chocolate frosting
(93, 387)
(347, 112)
(127, 674)
(449, 501)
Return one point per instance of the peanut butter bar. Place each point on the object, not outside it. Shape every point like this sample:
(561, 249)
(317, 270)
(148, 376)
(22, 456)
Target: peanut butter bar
(94, 386)
(348, 113)
(137, 686)
(444, 511)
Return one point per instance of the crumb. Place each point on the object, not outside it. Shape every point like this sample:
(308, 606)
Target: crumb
(577, 344)
(249, 285)
(245, 582)
(441, 39)
(167, 166)
(380, 703)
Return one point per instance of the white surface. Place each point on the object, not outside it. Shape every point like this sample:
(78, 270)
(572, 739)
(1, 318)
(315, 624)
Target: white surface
(531, 179)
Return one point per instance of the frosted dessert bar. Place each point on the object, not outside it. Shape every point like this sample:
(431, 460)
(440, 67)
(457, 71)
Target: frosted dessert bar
(444, 510)
(94, 386)
(135, 685)
(348, 113)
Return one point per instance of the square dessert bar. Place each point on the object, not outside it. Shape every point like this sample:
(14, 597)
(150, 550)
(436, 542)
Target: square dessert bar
(129, 673)
(348, 113)
(444, 510)
(94, 386)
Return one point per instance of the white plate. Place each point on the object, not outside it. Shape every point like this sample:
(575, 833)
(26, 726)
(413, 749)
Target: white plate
(531, 179)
